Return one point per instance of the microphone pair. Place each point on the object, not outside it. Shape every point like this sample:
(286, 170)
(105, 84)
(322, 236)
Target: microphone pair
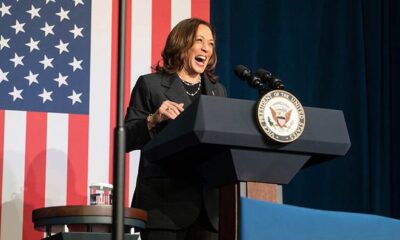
(263, 80)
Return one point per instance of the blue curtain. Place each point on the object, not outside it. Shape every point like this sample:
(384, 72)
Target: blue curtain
(336, 54)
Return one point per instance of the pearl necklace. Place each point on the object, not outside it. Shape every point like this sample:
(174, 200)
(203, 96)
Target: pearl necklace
(191, 84)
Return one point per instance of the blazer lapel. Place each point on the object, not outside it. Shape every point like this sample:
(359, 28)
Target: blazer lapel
(175, 90)
(209, 86)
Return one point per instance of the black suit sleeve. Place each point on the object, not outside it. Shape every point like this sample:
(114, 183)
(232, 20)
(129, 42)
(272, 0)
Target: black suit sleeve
(137, 133)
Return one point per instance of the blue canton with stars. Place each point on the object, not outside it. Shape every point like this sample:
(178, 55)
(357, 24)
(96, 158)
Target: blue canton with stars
(45, 55)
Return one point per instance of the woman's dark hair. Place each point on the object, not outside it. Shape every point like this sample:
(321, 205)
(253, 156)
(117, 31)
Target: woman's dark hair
(179, 41)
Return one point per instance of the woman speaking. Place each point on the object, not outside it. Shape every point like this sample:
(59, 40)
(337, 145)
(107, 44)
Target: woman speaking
(178, 203)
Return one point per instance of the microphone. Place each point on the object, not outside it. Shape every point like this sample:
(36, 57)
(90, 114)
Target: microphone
(266, 76)
(245, 74)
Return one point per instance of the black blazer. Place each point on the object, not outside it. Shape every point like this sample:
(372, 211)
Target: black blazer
(173, 197)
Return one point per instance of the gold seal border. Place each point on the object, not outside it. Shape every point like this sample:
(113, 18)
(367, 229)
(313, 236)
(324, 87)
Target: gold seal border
(263, 125)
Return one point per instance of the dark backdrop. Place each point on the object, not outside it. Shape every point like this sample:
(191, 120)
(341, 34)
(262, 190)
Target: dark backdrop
(335, 54)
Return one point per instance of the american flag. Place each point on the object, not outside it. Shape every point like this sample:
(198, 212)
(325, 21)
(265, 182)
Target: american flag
(57, 96)
(45, 60)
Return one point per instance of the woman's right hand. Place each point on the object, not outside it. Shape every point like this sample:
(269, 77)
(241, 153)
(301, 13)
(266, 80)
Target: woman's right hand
(167, 110)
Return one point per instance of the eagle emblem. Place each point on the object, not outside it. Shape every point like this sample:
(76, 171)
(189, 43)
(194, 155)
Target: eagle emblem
(280, 117)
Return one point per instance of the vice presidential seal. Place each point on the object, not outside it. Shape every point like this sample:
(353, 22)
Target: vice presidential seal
(281, 116)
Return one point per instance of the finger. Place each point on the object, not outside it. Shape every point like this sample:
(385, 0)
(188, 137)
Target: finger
(169, 110)
(178, 106)
(174, 110)
(170, 114)
(163, 107)
(169, 104)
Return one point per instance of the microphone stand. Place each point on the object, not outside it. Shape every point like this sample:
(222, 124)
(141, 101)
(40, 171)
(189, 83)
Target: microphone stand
(262, 91)
(119, 134)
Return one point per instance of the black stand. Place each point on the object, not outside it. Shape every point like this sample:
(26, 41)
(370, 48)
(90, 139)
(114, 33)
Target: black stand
(119, 134)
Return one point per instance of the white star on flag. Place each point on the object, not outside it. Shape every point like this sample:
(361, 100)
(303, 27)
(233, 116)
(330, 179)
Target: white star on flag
(62, 47)
(47, 1)
(47, 62)
(33, 45)
(19, 27)
(77, 31)
(5, 9)
(63, 14)
(75, 97)
(46, 96)
(4, 42)
(17, 60)
(76, 64)
(47, 29)
(62, 80)
(34, 12)
(16, 94)
(3, 76)
(78, 2)
(32, 78)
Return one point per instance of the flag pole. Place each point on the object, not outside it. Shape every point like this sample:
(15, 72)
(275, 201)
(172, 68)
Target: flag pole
(119, 133)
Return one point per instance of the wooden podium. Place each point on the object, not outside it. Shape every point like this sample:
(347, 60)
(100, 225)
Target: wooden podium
(85, 222)
(231, 153)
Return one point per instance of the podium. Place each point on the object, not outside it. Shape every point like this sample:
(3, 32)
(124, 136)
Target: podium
(230, 150)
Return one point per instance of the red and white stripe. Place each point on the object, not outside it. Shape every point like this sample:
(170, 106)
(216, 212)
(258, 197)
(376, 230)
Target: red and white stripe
(49, 159)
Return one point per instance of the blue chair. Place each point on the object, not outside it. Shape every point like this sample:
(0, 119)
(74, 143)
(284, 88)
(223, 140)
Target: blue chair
(263, 220)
